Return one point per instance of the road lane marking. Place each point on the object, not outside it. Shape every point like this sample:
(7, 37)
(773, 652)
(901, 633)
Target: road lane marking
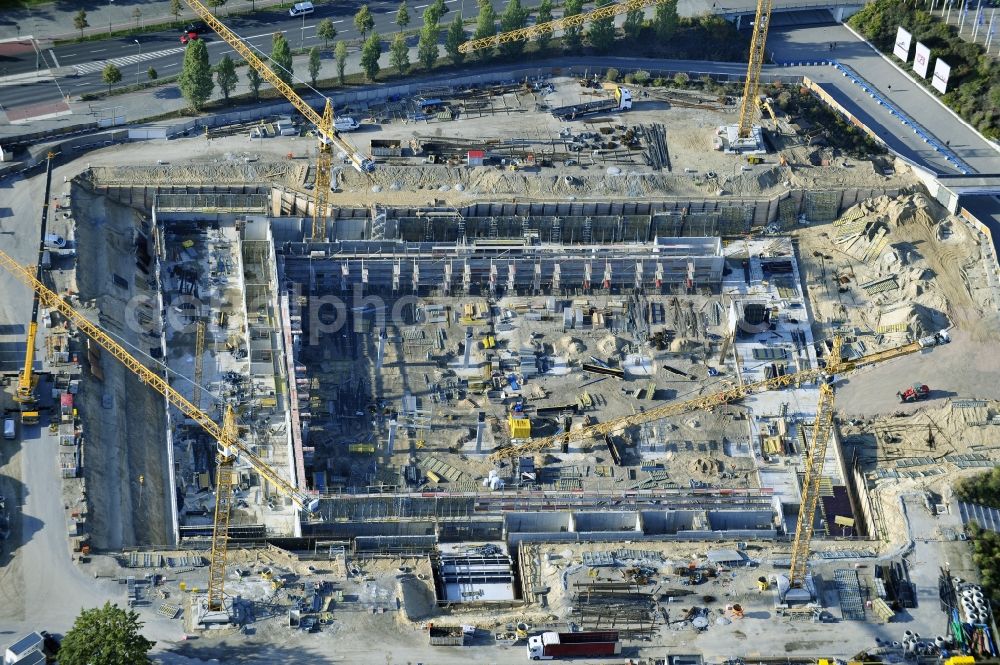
(54, 58)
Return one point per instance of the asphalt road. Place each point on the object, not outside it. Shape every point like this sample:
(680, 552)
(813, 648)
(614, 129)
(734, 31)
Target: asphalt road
(77, 67)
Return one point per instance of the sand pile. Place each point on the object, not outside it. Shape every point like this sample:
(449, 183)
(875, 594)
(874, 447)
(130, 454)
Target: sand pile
(610, 345)
(570, 346)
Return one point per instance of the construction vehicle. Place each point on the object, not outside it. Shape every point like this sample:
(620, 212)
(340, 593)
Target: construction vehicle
(586, 644)
(26, 395)
(915, 393)
(621, 101)
(328, 135)
(227, 435)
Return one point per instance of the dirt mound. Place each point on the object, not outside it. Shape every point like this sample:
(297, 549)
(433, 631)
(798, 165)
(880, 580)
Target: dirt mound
(705, 466)
(610, 345)
(569, 345)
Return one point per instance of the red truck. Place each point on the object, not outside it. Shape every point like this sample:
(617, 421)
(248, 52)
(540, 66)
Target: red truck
(587, 645)
(915, 393)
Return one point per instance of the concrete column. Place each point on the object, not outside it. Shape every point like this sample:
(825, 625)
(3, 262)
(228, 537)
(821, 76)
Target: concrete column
(480, 431)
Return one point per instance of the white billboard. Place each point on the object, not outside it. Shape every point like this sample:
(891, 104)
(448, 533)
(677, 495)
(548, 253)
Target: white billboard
(921, 59)
(902, 48)
(941, 73)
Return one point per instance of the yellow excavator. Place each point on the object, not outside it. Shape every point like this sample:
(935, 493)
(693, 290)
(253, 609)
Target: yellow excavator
(26, 395)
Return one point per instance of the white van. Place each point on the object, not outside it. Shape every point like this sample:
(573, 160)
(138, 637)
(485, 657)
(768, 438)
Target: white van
(9, 428)
(301, 8)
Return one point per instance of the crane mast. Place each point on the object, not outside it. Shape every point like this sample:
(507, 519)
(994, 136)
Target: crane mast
(227, 436)
(750, 107)
(26, 395)
(328, 136)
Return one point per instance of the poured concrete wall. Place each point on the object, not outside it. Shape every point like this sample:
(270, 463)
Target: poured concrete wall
(719, 520)
(606, 521)
(548, 522)
(668, 522)
(352, 529)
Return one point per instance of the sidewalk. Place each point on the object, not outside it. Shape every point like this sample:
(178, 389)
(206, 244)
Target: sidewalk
(54, 21)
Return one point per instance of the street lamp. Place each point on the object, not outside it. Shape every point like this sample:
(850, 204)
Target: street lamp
(110, 3)
(302, 33)
(138, 63)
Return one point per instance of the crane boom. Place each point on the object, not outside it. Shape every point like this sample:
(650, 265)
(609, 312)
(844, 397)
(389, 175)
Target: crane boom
(227, 435)
(702, 403)
(327, 133)
(576, 20)
(231, 445)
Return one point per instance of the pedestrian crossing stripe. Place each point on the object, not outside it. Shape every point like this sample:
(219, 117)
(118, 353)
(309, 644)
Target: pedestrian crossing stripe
(99, 65)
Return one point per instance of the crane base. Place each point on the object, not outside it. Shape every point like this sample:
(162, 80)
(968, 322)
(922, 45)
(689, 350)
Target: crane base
(205, 619)
(732, 144)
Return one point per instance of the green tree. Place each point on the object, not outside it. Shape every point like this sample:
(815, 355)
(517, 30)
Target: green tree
(281, 58)
(544, 16)
(314, 65)
(572, 38)
(602, 31)
(111, 75)
(215, 4)
(326, 32)
(633, 24)
(454, 39)
(108, 635)
(175, 9)
(340, 56)
(152, 74)
(399, 54)
(665, 20)
(485, 27)
(364, 21)
(225, 76)
(370, 53)
(254, 80)
(402, 16)
(513, 17)
(195, 80)
(80, 21)
(427, 47)
(438, 9)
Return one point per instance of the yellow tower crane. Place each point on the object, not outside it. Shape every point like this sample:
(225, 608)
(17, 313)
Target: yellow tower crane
(328, 135)
(26, 394)
(815, 454)
(533, 31)
(227, 435)
(750, 106)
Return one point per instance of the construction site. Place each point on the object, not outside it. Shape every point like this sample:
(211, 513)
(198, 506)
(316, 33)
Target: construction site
(660, 372)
